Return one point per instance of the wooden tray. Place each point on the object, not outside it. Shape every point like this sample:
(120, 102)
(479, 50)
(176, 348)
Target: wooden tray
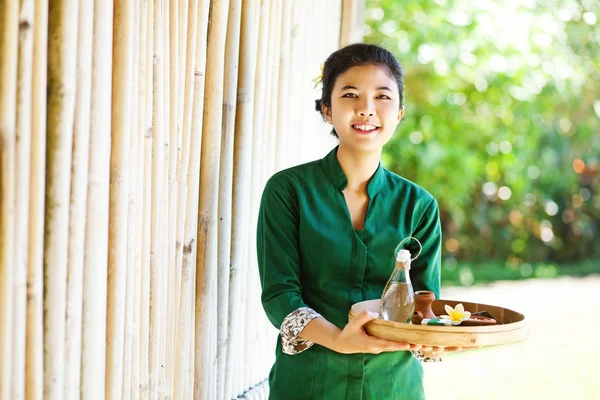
(512, 326)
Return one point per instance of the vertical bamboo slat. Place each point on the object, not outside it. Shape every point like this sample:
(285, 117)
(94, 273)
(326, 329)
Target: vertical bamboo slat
(207, 211)
(133, 216)
(139, 136)
(147, 210)
(35, 343)
(9, 50)
(119, 176)
(257, 157)
(283, 115)
(225, 188)
(62, 57)
(164, 273)
(174, 133)
(77, 217)
(23, 154)
(93, 358)
(158, 135)
(241, 195)
(185, 334)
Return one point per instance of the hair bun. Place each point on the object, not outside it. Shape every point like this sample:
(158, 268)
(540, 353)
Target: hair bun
(318, 105)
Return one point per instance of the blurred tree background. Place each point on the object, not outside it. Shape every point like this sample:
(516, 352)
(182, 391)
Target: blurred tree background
(502, 126)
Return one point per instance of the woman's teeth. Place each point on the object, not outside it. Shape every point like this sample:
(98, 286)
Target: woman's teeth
(365, 127)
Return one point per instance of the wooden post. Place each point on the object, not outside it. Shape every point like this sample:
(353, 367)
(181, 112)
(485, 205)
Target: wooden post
(232, 49)
(9, 51)
(352, 21)
(77, 216)
(34, 366)
(93, 359)
(206, 259)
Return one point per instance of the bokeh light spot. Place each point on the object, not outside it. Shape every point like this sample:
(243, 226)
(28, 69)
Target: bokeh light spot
(504, 193)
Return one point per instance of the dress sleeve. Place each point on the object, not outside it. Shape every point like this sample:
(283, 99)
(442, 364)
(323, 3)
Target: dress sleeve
(278, 250)
(291, 327)
(425, 270)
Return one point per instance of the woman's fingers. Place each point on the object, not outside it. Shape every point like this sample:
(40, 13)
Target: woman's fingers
(363, 318)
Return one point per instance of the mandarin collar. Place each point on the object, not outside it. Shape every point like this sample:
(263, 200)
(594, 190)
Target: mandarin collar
(334, 171)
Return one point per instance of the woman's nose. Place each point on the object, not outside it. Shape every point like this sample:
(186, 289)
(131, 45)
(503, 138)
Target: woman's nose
(366, 108)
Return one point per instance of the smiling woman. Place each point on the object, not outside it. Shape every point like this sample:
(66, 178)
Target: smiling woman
(326, 235)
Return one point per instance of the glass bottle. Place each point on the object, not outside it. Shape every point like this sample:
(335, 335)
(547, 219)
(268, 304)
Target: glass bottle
(398, 298)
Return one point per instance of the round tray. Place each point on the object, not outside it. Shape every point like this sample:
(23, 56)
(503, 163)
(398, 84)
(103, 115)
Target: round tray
(511, 327)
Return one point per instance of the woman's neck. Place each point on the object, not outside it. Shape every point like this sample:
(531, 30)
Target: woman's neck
(358, 167)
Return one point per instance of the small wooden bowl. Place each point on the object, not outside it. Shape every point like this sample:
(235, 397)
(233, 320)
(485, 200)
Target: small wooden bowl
(511, 327)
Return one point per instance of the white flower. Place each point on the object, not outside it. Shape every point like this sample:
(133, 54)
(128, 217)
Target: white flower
(456, 315)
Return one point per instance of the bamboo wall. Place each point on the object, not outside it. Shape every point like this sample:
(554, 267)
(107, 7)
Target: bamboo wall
(135, 139)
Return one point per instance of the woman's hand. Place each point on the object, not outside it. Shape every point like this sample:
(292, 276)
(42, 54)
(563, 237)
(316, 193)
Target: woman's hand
(438, 351)
(353, 339)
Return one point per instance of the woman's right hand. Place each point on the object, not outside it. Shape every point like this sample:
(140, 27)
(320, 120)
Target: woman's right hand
(353, 338)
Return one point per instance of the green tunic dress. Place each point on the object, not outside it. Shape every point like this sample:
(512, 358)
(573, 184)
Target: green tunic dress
(310, 255)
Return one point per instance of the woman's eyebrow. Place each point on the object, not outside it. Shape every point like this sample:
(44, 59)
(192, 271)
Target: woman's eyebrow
(347, 87)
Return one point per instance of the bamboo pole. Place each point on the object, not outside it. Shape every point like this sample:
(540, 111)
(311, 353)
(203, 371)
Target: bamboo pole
(93, 359)
(133, 217)
(174, 137)
(139, 136)
(23, 154)
(258, 139)
(34, 366)
(147, 210)
(158, 138)
(241, 192)
(187, 47)
(225, 193)
(185, 387)
(77, 216)
(207, 210)
(62, 57)
(9, 14)
(164, 273)
(274, 99)
(119, 185)
(283, 115)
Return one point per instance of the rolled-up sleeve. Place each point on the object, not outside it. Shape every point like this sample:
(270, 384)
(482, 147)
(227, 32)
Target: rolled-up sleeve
(425, 270)
(278, 250)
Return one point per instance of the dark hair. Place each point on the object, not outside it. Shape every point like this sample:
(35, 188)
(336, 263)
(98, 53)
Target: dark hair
(354, 55)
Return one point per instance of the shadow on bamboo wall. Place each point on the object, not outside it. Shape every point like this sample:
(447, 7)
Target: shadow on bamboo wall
(136, 137)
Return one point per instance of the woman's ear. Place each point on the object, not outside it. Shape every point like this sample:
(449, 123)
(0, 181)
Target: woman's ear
(327, 113)
(400, 114)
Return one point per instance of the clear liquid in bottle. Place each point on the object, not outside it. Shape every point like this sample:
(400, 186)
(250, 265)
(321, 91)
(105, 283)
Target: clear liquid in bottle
(398, 298)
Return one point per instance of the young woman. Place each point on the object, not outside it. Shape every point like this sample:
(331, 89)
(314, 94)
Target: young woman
(326, 237)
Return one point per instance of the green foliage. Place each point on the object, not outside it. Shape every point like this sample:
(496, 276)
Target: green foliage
(502, 121)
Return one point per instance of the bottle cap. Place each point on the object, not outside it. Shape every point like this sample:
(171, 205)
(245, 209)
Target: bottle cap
(403, 256)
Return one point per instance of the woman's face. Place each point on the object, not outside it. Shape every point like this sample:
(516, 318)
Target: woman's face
(365, 108)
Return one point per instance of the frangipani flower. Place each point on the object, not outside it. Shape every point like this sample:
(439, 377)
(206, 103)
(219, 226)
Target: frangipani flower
(319, 79)
(456, 315)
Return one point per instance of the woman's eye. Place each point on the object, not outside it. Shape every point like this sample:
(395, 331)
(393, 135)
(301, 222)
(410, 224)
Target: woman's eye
(383, 96)
(350, 95)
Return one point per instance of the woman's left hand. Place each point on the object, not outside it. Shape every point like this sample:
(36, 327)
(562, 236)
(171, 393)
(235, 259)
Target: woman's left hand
(438, 351)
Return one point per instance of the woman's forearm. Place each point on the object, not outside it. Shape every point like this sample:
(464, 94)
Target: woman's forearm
(322, 332)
